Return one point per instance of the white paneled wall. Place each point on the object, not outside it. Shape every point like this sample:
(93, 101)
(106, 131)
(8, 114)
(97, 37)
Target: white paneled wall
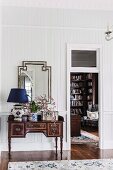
(0, 44)
(0, 62)
(43, 34)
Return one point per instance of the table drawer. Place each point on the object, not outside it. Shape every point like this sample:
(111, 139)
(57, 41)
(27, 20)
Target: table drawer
(17, 130)
(36, 125)
(54, 129)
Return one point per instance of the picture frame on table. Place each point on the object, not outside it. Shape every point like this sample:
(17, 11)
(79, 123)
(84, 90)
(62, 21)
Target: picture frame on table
(52, 116)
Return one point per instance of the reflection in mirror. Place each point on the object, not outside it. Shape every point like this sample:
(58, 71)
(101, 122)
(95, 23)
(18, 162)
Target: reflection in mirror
(35, 77)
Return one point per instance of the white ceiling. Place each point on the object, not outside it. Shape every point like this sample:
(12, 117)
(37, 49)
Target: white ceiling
(67, 4)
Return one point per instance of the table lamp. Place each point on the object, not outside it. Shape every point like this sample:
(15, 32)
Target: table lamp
(19, 96)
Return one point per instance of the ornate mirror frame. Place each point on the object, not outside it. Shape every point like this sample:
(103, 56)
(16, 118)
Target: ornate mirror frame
(44, 67)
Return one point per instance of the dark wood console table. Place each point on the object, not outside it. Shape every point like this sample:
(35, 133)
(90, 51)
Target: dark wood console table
(18, 129)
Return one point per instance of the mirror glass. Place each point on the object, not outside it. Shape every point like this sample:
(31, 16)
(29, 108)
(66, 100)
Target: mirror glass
(35, 77)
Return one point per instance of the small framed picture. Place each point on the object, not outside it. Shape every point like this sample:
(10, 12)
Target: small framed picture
(53, 115)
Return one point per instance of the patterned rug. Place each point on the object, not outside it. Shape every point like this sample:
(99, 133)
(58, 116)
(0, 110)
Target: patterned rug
(85, 138)
(93, 164)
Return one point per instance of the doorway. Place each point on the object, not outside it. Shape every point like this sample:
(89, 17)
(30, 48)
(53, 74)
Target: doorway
(94, 53)
(84, 114)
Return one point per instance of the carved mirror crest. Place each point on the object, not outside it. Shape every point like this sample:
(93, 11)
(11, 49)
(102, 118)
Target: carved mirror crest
(35, 77)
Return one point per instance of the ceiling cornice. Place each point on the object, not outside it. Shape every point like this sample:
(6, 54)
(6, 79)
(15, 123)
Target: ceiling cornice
(62, 4)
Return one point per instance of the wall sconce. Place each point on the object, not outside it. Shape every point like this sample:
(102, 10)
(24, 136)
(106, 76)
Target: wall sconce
(108, 34)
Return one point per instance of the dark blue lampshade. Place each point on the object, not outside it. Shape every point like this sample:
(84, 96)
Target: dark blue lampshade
(18, 95)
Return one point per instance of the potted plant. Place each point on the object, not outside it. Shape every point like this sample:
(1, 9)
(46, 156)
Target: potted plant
(34, 108)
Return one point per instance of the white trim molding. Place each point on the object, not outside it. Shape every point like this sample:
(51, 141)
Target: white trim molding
(97, 69)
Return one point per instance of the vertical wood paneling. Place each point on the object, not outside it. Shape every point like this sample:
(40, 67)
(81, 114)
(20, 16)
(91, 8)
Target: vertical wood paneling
(45, 39)
(0, 52)
(107, 95)
(111, 74)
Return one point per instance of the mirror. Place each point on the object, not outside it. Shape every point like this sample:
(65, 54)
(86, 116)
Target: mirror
(35, 77)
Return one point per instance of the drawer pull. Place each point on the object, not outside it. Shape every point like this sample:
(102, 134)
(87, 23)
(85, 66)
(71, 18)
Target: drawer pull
(17, 129)
(53, 125)
(53, 131)
(30, 125)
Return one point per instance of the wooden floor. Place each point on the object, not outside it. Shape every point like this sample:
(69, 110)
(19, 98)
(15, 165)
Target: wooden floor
(81, 151)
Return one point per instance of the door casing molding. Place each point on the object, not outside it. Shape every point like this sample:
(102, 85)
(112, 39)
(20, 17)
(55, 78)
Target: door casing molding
(97, 69)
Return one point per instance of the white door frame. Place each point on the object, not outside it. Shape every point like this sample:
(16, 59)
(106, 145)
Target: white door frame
(97, 69)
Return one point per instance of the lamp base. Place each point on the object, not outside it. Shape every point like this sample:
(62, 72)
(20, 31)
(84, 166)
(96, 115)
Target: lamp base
(17, 111)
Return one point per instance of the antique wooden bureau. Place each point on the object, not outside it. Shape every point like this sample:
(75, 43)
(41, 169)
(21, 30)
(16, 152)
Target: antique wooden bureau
(18, 129)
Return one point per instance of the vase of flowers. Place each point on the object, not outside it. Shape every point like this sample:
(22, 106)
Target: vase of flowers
(47, 109)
